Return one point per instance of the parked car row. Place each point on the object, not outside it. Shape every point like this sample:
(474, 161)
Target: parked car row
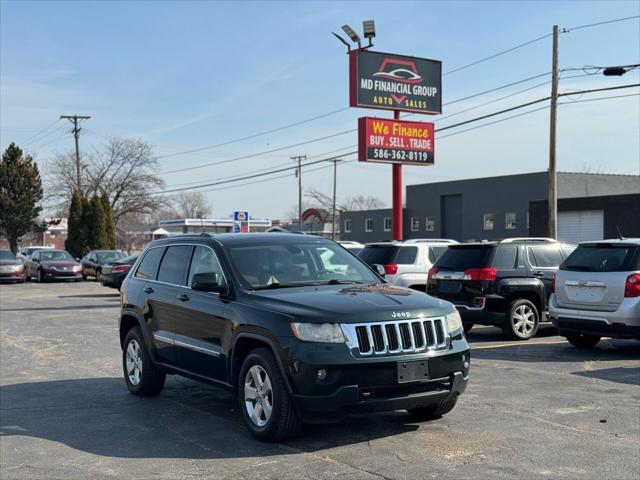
(46, 264)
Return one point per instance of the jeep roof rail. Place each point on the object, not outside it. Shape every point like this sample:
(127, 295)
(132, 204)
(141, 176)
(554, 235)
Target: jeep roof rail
(529, 239)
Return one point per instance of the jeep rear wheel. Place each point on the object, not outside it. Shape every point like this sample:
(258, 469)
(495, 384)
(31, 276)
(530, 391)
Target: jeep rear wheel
(141, 375)
(266, 405)
(522, 320)
(435, 411)
(582, 340)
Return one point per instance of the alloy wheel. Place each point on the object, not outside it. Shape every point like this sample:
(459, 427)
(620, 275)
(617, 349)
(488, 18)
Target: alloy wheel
(524, 320)
(258, 395)
(134, 362)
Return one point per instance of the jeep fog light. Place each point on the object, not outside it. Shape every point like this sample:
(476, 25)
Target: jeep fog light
(318, 332)
(321, 374)
(454, 322)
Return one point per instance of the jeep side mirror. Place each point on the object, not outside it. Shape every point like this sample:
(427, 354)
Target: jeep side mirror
(379, 269)
(208, 282)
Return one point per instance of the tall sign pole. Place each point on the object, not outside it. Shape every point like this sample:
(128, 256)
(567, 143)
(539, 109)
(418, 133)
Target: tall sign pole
(396, 210)
(553, 179)
(76, 133)
(333, 214)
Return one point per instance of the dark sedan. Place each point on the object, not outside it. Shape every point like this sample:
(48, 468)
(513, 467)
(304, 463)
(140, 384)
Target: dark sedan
(113, 273)
(53, 265)
(11, 268)
(93, 262)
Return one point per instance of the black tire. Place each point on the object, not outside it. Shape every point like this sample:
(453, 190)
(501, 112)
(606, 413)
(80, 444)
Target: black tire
(435, 411)
(467, 327)
(582, 340)
(284, 421)
(40, 276)
(517, 309)
(151, 380)
(27, 277)
(99, 275)
(84, 277)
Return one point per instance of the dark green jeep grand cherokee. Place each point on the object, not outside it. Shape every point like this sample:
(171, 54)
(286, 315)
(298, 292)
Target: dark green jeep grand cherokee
(297, 326)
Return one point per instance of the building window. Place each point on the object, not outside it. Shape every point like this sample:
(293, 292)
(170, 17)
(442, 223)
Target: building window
(415, 224)
(488, 221)
(347, 225)
(387, 224)
(368, 225)
(430, 224)
(510, 220)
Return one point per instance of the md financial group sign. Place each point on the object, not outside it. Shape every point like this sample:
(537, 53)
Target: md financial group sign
(400, 83)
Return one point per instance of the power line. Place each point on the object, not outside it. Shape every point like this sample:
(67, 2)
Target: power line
(248, 137)
(483, 117)
(615, 20)
(497, 54)
(27, 140)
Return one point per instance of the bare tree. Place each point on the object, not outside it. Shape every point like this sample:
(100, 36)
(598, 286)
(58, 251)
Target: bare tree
(357, 202)
(125, 169)
(190, 205)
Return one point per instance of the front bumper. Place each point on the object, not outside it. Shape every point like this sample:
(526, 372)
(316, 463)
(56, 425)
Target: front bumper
(369, 384)
(12, 276)
(60, 275)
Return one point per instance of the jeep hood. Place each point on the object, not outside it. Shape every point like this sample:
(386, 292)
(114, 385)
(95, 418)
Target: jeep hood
(350, 303)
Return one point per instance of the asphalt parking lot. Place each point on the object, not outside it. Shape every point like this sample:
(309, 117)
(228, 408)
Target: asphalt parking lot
(539, 409)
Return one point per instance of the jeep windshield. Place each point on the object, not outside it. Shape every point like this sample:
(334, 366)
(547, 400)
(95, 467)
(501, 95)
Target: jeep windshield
(300, 264)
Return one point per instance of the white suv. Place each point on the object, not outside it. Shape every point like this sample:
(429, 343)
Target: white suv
(407, 263)
(597, 292)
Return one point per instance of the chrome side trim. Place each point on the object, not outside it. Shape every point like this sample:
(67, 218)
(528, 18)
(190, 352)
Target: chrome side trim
(196, 345)
(164, 337)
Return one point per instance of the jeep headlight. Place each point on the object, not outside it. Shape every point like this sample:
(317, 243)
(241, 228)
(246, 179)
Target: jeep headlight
(454, 322)
(318, 332)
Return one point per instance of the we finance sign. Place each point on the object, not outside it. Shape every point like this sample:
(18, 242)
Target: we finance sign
(395, 82)
(395, 141)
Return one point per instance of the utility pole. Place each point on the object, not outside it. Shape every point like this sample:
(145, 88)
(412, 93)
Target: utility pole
(299, 159)
(76, 133)
(553, 179)
(333, 215)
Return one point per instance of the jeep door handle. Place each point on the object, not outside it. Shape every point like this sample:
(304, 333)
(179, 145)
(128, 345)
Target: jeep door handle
(148, 290)
(183, 297)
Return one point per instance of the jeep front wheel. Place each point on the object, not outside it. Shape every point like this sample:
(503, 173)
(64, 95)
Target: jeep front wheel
(522, 320)
(266, 405)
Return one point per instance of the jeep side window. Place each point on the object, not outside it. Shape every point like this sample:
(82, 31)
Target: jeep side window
(545, 256)
(148, 268)
(174, 263)
(205, 261)
(505, 257)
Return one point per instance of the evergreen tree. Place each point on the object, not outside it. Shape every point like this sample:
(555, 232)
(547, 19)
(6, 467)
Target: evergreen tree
(110, 224)
(97, 225)
(76, 240)
(20, 193)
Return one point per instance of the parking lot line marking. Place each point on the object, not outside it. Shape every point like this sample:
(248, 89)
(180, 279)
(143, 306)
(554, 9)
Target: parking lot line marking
(515, 344)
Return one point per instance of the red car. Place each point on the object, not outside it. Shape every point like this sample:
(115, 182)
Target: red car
(53, 265)
(11, 268)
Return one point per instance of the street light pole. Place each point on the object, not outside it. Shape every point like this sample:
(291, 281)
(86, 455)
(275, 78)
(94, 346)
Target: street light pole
(553, 178)
(333, 215)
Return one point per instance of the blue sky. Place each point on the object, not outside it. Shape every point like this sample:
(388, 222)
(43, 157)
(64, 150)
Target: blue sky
(183, 75)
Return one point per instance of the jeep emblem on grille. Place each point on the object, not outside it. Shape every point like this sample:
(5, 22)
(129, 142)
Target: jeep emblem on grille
(400, 315)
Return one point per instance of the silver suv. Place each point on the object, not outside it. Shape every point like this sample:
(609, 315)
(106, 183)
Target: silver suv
(597, 292)
(406, 263)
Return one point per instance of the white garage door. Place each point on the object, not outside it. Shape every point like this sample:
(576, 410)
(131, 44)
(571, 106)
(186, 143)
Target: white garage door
(580, 226)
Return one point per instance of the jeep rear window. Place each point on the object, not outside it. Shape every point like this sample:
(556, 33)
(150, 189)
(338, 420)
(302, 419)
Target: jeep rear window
(460, 258)
(386, 254)
(603, 258)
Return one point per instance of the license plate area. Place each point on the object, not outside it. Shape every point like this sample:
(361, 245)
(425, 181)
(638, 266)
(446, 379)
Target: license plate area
(413, 371)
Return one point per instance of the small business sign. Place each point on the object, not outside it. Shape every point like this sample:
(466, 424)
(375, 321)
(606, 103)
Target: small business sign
(395, 82)
(395, 141)
(240, 222)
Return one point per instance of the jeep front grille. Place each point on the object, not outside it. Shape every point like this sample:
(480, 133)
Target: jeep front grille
(405, 336)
